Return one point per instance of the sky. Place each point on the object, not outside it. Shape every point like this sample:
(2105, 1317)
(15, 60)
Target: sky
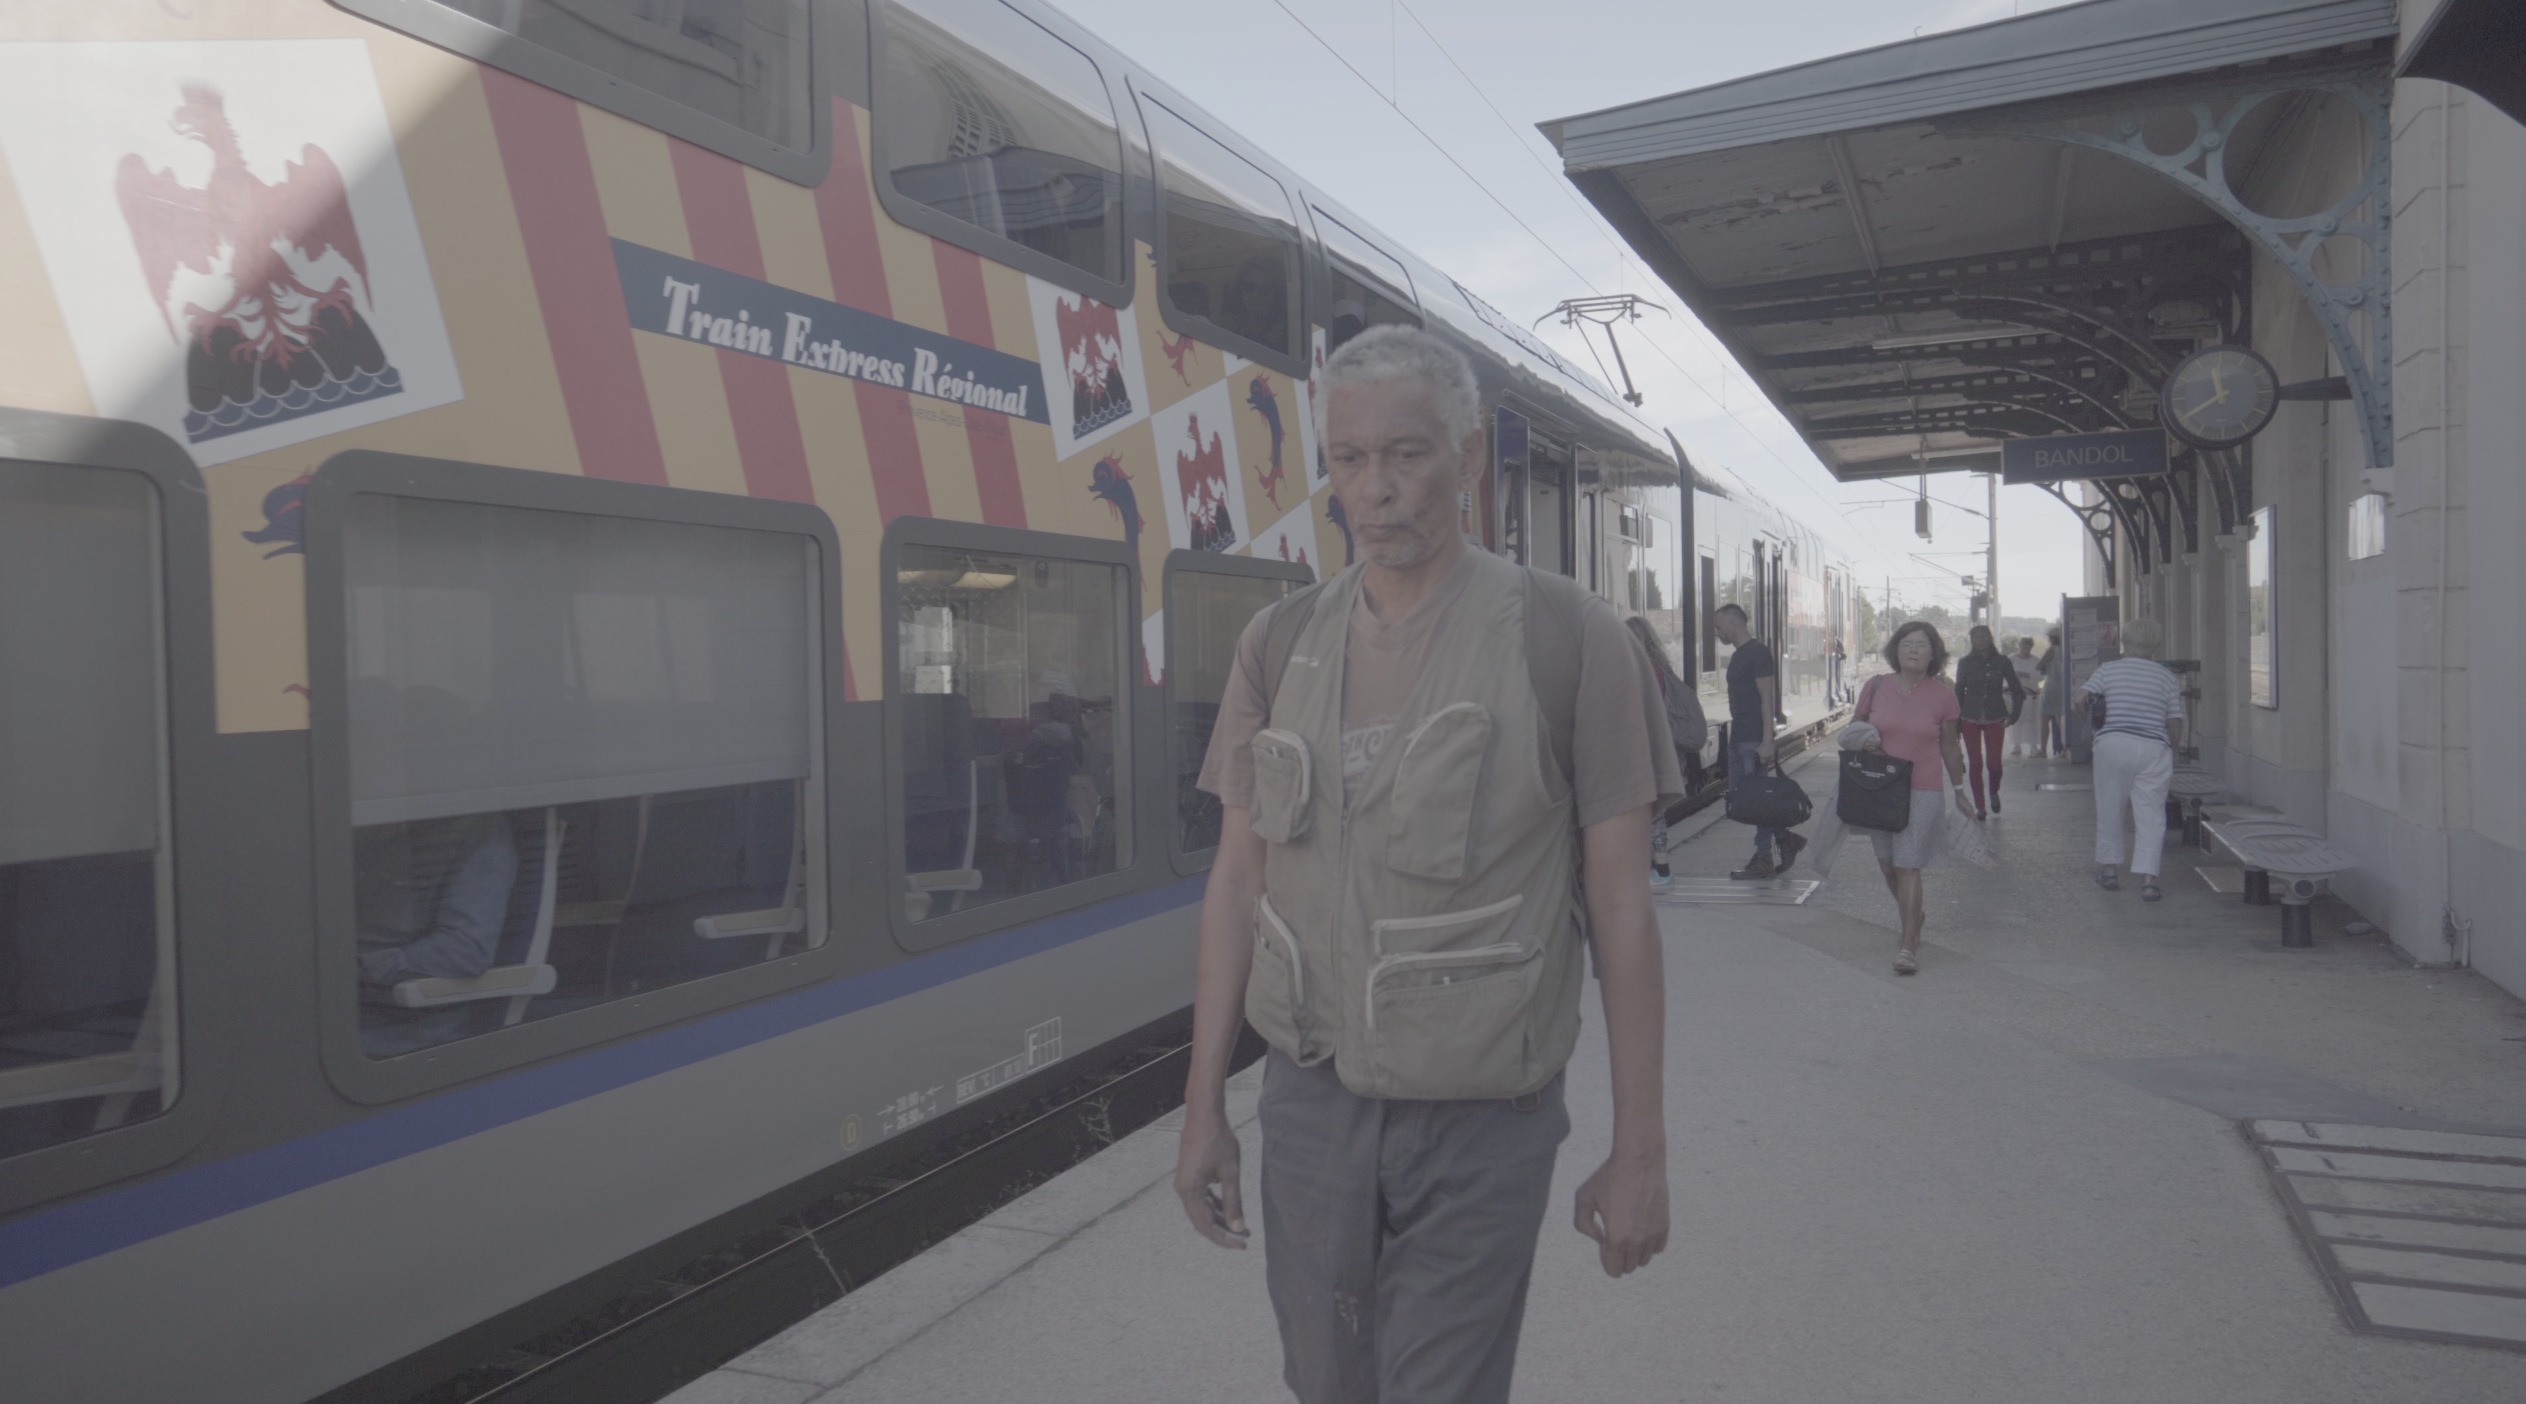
(1420, 115)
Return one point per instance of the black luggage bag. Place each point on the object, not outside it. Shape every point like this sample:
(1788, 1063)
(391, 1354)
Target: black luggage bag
(1772, 801)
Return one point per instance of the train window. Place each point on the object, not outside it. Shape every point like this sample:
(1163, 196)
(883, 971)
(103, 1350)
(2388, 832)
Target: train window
(1369, 287)
(584, 755)
(1231, 241)
(744, 63)
(985, 116)
(1207, 610)
(87, 1008)
(1013, 689)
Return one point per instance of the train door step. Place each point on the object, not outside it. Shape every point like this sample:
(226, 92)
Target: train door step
(1712, 892)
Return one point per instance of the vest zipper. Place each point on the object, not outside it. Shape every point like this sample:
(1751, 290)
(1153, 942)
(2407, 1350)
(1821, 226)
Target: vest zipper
(1480, 955)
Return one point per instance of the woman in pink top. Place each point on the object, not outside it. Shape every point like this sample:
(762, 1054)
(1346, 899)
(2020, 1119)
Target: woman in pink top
(1917, 719)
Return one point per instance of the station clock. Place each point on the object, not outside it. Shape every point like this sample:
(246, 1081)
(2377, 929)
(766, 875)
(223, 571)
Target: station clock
(2219, 397)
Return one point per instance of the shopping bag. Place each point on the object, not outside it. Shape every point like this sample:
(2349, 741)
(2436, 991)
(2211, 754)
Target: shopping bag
(1966, 839)
(1875, 791)
(1772, 801)
(1825, 845)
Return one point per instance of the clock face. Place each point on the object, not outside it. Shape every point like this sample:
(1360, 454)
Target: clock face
(2219, 397)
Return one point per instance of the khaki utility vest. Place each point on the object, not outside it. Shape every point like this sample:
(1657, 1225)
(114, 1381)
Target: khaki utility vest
(1429, 938)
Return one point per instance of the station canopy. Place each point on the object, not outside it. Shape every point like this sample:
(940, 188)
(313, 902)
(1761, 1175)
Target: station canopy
(2009, 230)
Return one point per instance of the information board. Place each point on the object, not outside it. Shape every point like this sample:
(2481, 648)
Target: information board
(2091, 635)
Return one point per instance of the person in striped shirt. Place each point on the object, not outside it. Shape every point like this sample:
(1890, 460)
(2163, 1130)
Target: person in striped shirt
(2135, 754)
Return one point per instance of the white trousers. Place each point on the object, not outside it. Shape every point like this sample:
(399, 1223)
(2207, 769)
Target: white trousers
(2132, 773)
(2028, 734)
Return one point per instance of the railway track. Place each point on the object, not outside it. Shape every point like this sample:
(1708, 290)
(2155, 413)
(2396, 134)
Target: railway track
(643, 1328)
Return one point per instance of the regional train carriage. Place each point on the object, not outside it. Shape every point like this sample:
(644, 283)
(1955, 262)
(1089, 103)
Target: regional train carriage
(609, 605)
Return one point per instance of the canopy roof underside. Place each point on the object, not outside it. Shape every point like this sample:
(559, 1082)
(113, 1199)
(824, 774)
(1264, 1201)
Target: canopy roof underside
(1910, 274)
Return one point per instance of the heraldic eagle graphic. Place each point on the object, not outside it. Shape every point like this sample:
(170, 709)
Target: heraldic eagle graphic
(265, 279)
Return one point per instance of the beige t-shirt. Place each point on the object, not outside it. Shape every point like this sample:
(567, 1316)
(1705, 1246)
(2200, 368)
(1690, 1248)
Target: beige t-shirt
(1621, 750)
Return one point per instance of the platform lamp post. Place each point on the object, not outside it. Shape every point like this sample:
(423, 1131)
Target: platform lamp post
(1991, 553)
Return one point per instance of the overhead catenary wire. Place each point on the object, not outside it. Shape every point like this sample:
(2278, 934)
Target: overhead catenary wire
(1760, 440)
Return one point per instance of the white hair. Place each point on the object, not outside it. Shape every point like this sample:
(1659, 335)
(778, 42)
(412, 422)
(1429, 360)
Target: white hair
(1406, 353)
(2142, 638)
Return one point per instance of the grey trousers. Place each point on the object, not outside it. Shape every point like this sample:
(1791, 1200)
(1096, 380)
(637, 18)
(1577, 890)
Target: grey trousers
(1398, 1236)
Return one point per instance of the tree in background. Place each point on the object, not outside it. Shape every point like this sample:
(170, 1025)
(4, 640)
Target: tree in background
(1867, 626)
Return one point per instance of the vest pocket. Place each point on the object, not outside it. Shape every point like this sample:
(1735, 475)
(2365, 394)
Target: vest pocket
(1437, 784)
(1282, 786)
(1449, 1003)
(1276, 989)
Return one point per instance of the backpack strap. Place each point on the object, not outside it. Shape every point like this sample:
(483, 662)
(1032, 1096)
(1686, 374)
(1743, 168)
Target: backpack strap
(1280, 637)
(1553, 622)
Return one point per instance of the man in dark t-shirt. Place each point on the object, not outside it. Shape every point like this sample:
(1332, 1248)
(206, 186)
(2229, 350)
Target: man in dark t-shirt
(1753, 701)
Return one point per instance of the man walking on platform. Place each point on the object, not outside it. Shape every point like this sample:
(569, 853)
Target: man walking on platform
(1753, 706)
(1991, 697)
(1411, 758)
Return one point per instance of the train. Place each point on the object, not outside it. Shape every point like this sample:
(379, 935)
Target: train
(610, 605)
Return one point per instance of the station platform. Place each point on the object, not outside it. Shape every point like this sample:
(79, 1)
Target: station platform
(2077, 1158)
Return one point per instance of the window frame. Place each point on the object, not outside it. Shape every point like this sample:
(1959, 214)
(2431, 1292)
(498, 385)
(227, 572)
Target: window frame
(346, 475)
(1190, 861)
(1135, 173)
(1307, 313)
(1328, 263)
(433, 23)
(954, 928)
(210, 977)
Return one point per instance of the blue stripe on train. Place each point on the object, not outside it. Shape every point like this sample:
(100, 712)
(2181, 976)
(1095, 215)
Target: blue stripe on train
(74, 1233)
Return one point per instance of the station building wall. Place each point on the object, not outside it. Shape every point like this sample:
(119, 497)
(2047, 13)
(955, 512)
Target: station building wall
(2399, 676)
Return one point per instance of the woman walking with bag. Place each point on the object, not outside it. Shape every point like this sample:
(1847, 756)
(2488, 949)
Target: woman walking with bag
(2135, 755)
(1914, 717)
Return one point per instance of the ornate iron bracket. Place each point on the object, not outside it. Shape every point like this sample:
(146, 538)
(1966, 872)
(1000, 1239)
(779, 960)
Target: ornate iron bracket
(2131, 507)
(2098, 520)
(2184, 489)
(2355, 313)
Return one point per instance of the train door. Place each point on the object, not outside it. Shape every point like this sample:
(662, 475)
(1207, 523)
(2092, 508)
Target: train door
(1776, 596)
(1591, 535)
(1759, 615)
(1548, 516)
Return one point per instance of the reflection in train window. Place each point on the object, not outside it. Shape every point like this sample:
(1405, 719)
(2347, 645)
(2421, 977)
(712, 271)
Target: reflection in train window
(1231, 242)
(584, 758)
(87, 956)
(1710, 602)
(987, 117)
(744, 62)
(1206, 614)
(1370, 288)
(1011, 698)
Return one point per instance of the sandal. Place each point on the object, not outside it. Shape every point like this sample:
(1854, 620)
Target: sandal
(2149, 890)
(2108, 879)
(1906, 962)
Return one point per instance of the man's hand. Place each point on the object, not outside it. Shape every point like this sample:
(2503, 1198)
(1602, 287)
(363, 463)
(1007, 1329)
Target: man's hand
(1207, 1161)
(1766, 751)
(1623, 1207)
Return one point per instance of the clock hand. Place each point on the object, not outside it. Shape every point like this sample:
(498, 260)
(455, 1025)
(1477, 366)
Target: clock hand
(2212, 402)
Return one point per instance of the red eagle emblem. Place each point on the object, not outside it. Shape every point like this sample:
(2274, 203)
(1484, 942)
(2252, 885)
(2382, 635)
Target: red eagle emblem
(266, 280)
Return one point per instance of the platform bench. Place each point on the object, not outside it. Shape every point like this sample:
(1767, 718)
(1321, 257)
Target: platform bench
(2299, 855)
